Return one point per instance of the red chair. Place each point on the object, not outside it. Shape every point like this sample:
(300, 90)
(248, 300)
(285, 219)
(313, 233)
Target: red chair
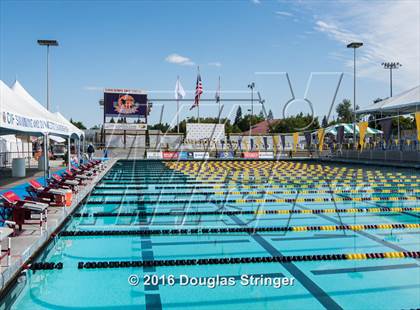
(59, 197)
(76, 176)
(23, 209)
(60, 182)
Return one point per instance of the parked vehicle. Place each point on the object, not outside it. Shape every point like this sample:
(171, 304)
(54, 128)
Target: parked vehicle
(59, 151)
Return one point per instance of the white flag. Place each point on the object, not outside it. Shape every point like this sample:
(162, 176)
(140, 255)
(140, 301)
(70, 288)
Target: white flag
(179, 90)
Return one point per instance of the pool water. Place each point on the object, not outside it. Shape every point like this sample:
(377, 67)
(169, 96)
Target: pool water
(154, 195)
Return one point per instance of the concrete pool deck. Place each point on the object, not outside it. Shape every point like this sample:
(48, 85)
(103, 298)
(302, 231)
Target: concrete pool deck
(30, 240)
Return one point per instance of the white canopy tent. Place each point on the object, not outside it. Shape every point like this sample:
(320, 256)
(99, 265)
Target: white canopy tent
(18, 115)
(73, 131)
(34, 105)
(405, 102)
(80, 134)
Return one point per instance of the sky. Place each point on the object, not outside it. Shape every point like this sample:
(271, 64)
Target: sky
(147, 44)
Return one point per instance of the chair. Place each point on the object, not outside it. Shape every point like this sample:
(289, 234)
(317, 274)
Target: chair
(60, 182)
(59, 197)
(23, 209)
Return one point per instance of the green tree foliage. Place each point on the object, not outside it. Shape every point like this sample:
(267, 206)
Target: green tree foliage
(324, 122)
(247, 121)
(238, 116)
(296, 123)
(162, 127)
(78, 124)
(345, 111)
(270, 115)
(406, 123)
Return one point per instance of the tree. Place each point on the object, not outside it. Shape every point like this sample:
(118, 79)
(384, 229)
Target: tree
(78, 124)
(345, 111)
(159, 126)
(324, 122)
(296, 123)
(238, 116)
(261, 115)
(270, 115)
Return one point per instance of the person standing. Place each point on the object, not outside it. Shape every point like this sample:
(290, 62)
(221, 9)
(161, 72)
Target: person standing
(90, 151)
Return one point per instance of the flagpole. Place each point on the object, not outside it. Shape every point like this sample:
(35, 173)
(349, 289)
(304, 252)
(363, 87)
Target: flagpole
(198, 105)
(177, 107)
(220, 99)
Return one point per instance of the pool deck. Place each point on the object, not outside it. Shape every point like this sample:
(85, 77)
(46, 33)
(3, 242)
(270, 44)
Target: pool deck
(27, 243)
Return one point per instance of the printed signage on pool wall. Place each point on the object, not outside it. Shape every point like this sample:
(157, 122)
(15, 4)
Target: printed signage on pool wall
(201, 155)
(225, 155)
(154, 155)
(170, 155)
(251, 155)
(185, 155)
(266, 155)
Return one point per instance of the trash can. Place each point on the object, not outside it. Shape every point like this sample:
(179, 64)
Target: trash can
(18, 168)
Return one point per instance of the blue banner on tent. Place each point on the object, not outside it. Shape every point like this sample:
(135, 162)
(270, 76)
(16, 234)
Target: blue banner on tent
(225, 155)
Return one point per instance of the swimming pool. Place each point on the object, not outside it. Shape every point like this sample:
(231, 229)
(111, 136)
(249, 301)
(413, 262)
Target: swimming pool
(231, 234)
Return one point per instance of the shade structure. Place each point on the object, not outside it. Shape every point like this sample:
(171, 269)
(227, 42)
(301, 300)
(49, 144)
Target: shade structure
(74, 130)
(18, 115)
(348, 129)
(405, 102)
(34, 105)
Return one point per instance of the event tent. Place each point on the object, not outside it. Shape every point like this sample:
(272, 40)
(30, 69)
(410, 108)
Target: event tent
(18, 115)
(405, 102)
(73, 129)
(348, 129)
(34, 105)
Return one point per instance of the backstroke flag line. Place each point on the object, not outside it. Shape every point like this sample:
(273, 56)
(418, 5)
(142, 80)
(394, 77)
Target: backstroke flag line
(179, 94)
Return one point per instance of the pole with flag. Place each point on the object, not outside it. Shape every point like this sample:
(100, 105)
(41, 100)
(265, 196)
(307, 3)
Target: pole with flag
(217, 97)
(198, 92)
(179, 94)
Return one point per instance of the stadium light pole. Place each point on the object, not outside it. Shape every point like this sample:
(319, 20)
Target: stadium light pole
(48, 43)
(354, 46)
(390, 66)
(252, 86)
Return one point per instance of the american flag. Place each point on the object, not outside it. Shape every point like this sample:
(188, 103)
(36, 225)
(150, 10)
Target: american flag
(198, 92)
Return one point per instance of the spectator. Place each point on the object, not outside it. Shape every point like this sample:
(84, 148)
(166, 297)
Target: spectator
(90, 151)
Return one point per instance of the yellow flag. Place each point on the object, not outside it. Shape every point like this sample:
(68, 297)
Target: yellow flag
(320, 138)
(246, 144)
(259, 142)
(295, 140)
(362, 133)
(275, 143)
(418, 125)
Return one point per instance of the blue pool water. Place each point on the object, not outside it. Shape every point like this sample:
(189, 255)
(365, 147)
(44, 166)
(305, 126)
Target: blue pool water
(215, 187)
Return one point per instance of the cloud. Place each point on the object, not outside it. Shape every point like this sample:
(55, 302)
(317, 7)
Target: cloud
(179, 60)
(256, 1)
(215, 64)
(389, 30)
(283, 13)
